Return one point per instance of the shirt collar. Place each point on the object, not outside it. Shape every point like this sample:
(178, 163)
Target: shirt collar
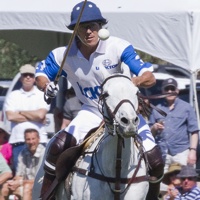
(101, 48)
(38, 152)
(175, 102)
(33, 91)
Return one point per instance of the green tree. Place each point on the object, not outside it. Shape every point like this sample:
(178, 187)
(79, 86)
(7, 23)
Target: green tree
(148, 58)
(12, 57)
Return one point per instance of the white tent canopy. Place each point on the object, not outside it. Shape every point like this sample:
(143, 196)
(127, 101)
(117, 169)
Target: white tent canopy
(166, 29)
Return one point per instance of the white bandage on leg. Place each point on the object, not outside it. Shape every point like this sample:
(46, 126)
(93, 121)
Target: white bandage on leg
(146, 135)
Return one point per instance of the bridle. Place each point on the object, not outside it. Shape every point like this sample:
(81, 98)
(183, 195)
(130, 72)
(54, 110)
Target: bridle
(117, 180)
(110, 120)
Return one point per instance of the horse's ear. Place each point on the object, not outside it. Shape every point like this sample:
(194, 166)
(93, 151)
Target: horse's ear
(125, 70)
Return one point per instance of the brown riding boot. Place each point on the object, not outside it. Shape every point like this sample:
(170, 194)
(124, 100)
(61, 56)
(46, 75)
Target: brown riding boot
(60, 143)
(156, 165)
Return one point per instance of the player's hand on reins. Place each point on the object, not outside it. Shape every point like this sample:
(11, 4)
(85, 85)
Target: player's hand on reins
(50, 92)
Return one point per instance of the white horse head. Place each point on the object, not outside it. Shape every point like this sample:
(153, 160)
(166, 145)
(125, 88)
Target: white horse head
(120, 104)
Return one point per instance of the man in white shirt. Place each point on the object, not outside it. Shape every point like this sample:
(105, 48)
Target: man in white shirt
(25, 108)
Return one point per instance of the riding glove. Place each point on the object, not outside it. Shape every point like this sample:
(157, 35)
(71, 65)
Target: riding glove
(51, 90)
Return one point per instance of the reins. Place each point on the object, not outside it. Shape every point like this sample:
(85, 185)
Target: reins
(117, 180)
(145, 107)
(110, 121)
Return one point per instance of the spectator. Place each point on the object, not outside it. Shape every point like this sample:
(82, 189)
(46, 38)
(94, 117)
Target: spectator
(170, 178)
(29, 161)
(188, 189)
(177, 133)
(5, 147)
(71, 108)
(25, 108)
(5, 171)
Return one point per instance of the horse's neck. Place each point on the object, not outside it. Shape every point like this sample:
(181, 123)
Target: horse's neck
(109, 154)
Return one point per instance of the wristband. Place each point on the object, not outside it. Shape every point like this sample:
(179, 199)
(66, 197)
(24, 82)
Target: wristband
(195, 149)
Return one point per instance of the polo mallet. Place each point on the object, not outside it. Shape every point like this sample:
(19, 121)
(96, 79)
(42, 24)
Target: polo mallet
(48, 100)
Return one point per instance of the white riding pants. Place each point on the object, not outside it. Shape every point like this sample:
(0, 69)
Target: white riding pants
(84, 122)
(89, 117)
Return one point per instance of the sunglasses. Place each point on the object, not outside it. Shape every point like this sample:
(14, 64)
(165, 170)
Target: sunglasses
(85, 26)
(188, 178)
(172, 88)
(28, 74)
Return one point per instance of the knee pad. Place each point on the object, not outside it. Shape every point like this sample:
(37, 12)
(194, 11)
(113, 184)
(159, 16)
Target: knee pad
(59, 143)
(156, 163)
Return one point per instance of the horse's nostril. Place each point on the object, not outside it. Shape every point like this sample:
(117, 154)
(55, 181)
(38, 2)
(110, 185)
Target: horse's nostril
(137, 120)
(124, 120)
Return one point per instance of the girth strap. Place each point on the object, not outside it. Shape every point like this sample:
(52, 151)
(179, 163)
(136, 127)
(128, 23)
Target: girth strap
(109, 179)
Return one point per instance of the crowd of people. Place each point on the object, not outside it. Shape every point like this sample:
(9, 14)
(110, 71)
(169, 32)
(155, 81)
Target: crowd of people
(22, 150)
(171, 149)
(181, 181)
(177, 133)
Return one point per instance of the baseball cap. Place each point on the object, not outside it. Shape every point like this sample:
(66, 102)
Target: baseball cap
(27, 69)
(169, 82)
(90, 13)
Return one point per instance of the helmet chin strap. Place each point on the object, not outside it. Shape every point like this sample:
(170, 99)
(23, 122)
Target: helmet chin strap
(100, 27)
(82, 41)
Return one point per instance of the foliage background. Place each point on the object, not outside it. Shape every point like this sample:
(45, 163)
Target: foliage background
(12, 57)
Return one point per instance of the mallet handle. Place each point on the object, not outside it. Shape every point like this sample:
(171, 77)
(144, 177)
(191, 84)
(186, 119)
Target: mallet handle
(70, 44)
(48, 100)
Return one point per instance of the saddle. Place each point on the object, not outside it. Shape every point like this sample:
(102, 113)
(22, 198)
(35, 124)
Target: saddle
(69, 157)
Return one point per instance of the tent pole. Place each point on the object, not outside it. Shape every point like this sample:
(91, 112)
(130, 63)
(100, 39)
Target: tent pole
(194, 97)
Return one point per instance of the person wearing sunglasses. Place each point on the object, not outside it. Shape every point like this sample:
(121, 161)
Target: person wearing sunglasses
(25, 108)
(189, 189)
(177, 133)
